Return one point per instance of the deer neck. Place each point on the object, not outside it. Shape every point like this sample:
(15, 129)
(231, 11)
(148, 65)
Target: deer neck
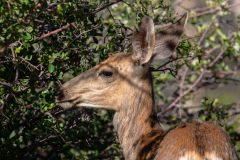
(134, 120)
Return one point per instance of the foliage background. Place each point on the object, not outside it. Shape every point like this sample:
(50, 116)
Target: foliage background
(34, 62)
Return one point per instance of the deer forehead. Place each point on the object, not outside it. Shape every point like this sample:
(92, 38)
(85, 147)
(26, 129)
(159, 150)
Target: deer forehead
(120, 62)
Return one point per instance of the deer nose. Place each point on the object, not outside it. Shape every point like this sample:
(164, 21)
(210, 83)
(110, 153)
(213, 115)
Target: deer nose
(59, 95)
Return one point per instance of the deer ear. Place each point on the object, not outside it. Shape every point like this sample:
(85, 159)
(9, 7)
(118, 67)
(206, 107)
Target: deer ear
(144, 41)
(168, 37)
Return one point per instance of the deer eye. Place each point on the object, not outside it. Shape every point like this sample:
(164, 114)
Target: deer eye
(106, 74)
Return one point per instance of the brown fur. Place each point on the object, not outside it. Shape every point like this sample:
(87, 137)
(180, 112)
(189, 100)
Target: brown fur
(123, 83)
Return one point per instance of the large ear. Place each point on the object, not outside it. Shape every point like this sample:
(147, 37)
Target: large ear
(168, 37)
(144, 41)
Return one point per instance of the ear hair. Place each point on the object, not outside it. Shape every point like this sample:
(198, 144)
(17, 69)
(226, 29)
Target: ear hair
(168, 37)
(144, 41)
(147, 46)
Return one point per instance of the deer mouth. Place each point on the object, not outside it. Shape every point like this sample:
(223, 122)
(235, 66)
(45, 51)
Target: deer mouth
(65, 105)
(64, 99)
(69, 105)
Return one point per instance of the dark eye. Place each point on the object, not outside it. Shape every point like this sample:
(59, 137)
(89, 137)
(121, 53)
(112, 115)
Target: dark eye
(106, 74)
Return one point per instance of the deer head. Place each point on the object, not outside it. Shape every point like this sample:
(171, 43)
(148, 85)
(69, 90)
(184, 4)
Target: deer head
(110, 82)
(123, 83)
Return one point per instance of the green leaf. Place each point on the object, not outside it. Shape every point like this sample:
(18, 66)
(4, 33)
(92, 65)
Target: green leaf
(59, 9)
(27, 37)
(221, 34)
(60, 76)
(18, 50)
(26, 2)
(13, 134)
(29, 29)
(51, 68)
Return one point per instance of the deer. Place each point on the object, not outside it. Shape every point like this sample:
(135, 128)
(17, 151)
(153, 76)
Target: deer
(123, 83)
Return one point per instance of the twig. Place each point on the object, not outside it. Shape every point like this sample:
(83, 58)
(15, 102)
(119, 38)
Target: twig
(6, 84)
(183, 78)
(111, 16)
(219, 56)
(106, 6)
(47, 138)
(57, 31)
(163, 70)
(202, 9)
(223, 74)
(166, 63)
(204, 34)
(29, 63)
(16, 66)
(78, 36)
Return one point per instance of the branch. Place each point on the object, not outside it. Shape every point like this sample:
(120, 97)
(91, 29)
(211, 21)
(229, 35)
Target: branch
(210, 11)
(3, 49)
(57, 31)
(207, 10)
(202, 74)
(73, 24)
(174, 103)
(223, 74)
